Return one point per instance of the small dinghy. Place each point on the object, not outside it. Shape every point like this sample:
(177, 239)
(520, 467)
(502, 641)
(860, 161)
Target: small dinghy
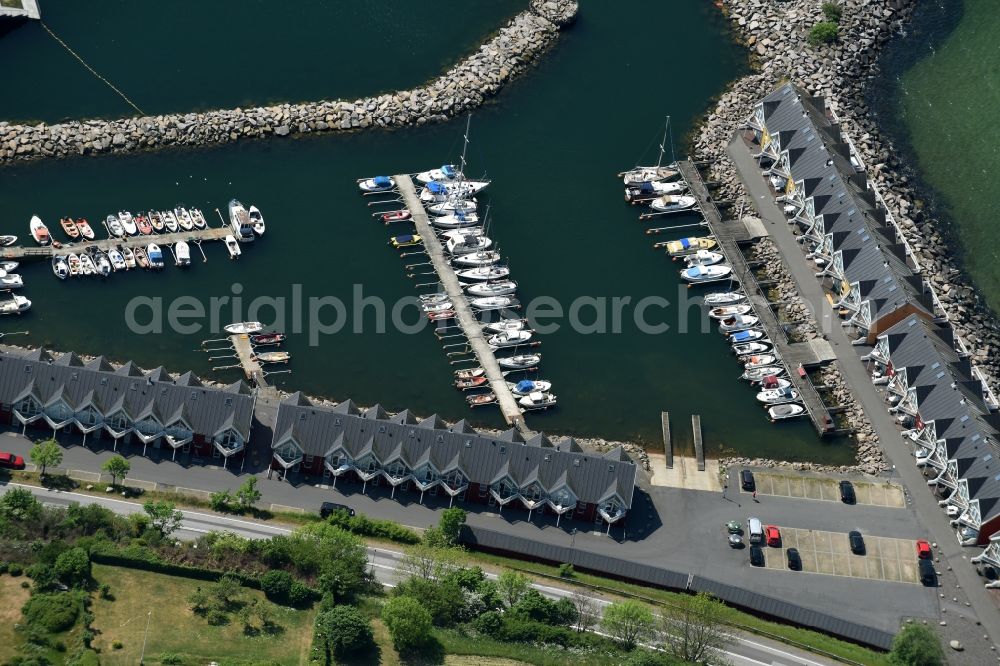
(648, 191)
(438, 315)
(750, 348)
(690, 245)
(460, 220)
(726, 311)
(156, 221)
(128, 222)
(117, 260)
(673, 203)
(87, 266)
(7, 240)
(183, 218)
(115, 227)
(537, 400)
(737, 323)
(506, 325)
(406, 240)
(437, 307)
(704, 258)
(748, 335)
(10, 280)
(649, 174)
(777, 396)
(396, 216)
(376, 184)
(73, 261)
(788, 410)
(526, 386)
(85, 230)
(265, 339)
(154, 255)
(453, 207)
(494, 302)
(244, 327)
(102, 263)
(9, 266)
(759, 360)
(481, 399)
(520, 361)
(198, 219)
(697, 274)
(169, 221)
(469, 373)
(758, 373)
(145, 228)
(472, 382)
(274, 357)
(141, 260)
(477, 258)
(129, 256)
(501, 288)
(256, 219)
(69, 227)
(16, 305)
(233, 247)
(509, 339)
(183, 253)
(468, 244)
(484, 273)
(39, 231)
(444, 174)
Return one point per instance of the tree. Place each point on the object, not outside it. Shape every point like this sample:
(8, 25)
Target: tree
(430, 563)
(247, 495)
(20, 504)
(225, 592)
(221, 500)
(694, 629)
(117, 467)
(628, 622)
(276, 585)
(587, 613)
(73, 567)
(408, 622)
(46, 454)
(823, 32)
(451, 524)
(163, 516)
(336, 559)
(511, 586)
(916, 645)
(344, 632)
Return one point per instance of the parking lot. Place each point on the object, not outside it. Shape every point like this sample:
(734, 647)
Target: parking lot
(888, 559)
(883, 493)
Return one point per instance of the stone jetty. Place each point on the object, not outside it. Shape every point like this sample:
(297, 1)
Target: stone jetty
(459, 90)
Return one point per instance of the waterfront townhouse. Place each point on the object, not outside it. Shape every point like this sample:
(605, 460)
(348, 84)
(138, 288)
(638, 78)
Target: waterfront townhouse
(152, 409)
(427, 457)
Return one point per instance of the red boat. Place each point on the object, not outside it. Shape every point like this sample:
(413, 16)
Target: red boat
(481, 399)
(470, 383)
(143, 223)
(268, 338)
(441, 314)
(396, 216)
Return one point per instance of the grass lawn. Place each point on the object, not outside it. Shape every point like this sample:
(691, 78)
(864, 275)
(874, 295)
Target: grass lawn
(464, 649)
(174, 628)
(13, 596)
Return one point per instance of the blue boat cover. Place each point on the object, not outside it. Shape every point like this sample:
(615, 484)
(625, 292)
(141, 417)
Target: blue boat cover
(524, 386)
(685, 243)
(382, 181)
(646, 188)
(155, 254)
(740, 336)
(436, 187)
(460, 215)
(405, 238)
(448, 170)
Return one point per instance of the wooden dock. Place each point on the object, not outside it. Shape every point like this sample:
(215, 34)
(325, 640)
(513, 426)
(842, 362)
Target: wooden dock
(699, 447)
(20, 253)
(251, 367)
(471, 327)
(729, 235)
(668, 444)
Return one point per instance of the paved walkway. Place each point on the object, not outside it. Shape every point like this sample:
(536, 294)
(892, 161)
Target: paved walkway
(961, 581)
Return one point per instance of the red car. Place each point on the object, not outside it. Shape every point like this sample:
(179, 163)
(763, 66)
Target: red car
(11, 461)
(924, 550)
(773, 536)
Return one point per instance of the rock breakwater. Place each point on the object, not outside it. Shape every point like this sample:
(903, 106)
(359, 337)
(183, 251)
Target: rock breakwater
(462, 88)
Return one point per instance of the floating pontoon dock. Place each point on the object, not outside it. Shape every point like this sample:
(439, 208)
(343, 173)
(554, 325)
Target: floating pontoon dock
(47, 251)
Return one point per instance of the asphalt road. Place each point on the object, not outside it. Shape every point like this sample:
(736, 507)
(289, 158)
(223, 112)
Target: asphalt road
(745, 650)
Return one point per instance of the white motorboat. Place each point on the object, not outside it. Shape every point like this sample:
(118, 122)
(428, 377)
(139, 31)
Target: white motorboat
(10, 280)
(759, 360)
(129, 257)
(39, 231)
(647, 191)
(704, 258)
(454, 207)
(506, 326)
(726, 311)
(60, 267)
(436, 307)
(73, 261)
(509, 338)
(748, 335)
(774, 383)
(500, 288)
(183, 218)
(117, 260)
(9, 266)
(758, 373)
(697, 274)
(673, 202)
(526, 386)
(128, 222)
(750, 348)
(169, 221)
(433, 298)
(777, 395)
(16, 305)
(115, 227)
(447, 172)
(244, 327)
(436, 192)
(183, 253)
(460, 220)
(155, 255)
(232, 246)
(257, 220)
(519, 361)
(494, 302)
(738, 323)
(376, 184)
(788, 410)
(537, 400)
(724, 298)
(484, 273)
(468, 244)
(7, 240)
(477, 258)
(199, 221)
(102, 263)
(240, 222)
(87, 266)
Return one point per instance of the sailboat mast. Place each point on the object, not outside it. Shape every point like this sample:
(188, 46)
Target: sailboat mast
(663, 144)
(465, 146)
(673, 159)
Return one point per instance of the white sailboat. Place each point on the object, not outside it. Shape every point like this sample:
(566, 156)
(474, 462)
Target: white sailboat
(446, 173)
(698, 274)
(509, 339)
(468, 244)
(526, 386)
(435, 192)
(499, 288)
(646, 174)
(519, 361)
(724, 298)
(459, 220)
(506, 325)
(494, 302)
(453, 207)
(483, 273)
(477, 258)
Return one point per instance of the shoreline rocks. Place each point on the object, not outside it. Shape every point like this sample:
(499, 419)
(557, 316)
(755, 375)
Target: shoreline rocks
(460, 89)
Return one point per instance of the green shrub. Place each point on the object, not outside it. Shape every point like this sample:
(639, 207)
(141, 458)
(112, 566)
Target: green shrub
(380, 529)
(566, 570)
(15, 569)
(299, 595)
(52, 612)
(221, 501)
(832, 11)
(73, 567)
(3, 567)
(105, 591)
(25, 584)
(342, 632)
(216, 618)
(171, 659)
(408, 622)
(824, 32)
(277, 585)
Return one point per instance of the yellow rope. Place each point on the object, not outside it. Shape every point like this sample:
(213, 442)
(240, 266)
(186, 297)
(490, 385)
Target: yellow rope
(91, 69)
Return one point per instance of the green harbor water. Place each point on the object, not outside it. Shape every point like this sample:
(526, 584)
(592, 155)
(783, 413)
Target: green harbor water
(552, 143)
(938, 97)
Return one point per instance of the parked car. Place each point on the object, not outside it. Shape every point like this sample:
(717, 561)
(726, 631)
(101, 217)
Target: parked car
(735, 541)
(928, 576)
(794, 561)
(11, 461)
(755, 530)
(746, 480)
(857, 542)
(327, 508)
(924, 550)
(756, 556)
(773, 536)
(734, 527)
(847, 495)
